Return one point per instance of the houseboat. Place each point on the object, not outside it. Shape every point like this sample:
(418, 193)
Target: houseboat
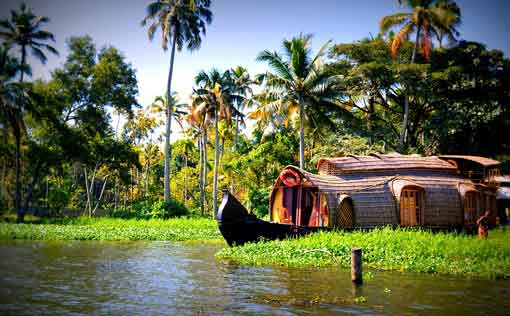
(437, 192)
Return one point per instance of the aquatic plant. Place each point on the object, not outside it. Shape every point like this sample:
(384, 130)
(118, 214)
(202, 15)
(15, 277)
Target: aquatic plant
(177, 229)
(387, 249)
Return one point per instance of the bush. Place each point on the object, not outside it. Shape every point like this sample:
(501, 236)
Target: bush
(259, 201)
(162, 209)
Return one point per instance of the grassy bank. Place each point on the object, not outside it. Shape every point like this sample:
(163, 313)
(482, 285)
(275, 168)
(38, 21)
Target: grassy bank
(387, 249)
(178, 229)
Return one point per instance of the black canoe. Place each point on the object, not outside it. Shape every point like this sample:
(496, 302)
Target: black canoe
(238, 226)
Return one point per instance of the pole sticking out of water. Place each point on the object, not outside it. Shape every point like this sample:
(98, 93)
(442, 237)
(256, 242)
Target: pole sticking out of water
(356, 266)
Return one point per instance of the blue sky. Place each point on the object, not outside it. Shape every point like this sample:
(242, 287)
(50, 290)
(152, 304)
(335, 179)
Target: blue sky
(240, 30)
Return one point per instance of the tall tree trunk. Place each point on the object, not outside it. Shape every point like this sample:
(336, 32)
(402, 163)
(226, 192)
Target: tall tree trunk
(87, 207)
(3, 191)
(216, 165)
(236, 135)
(204, 151)
(370, 118)
(17, 200)
(115, 196)
(185, 177)
(301, 133)
(168, 122)
(31, 187)
(201, 174)
(46, 193)
(406, 101)
(147, 174)
(23, 59)
(100, 195)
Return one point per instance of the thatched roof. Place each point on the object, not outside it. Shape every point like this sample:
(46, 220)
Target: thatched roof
(485, 162)
(376, 162)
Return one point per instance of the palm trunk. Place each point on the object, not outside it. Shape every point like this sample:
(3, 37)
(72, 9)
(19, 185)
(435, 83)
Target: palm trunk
(216, 164)
(168, 123)
(20, 215)
(147, 174)
(87, 189)
(236, 135)
(301, 134)
(370, 118)
(201, 174)
(31, 187)
(23, 58)
(204, 152)
(185, 178)
(100, 195)
(406, 101)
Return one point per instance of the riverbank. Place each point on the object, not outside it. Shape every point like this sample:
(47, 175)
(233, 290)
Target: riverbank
(177, 229)
(387, 249)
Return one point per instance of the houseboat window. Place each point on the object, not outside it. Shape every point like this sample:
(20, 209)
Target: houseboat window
(309, 213)
(410, 206)
(470, 208)
(284, 207)
(345, 215)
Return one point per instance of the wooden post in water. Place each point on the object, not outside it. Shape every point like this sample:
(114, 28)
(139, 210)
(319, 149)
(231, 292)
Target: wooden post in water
(356, 267)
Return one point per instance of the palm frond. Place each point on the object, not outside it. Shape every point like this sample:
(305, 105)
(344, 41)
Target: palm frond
(395, 20)
(400, 37)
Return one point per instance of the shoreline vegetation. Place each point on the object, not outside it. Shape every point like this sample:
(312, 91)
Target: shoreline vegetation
(114, 229)
(404, 250)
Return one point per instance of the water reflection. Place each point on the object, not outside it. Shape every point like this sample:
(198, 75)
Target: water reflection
(163, 278)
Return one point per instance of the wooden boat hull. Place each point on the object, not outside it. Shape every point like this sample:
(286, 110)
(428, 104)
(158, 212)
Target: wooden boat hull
(239, 227)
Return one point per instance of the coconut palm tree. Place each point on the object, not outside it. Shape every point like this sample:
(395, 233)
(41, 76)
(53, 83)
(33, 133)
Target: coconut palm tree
(214, 98)
(198, 130)
(13, 103)
(298, 83)
(450, 18)
(242, 86)
(177, 112)
(182, 22)
(425, 18)
(24, 30)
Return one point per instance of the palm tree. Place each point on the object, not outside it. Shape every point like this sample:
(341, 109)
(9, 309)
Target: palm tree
(198, 130)
(13, 102)
(449, 16)
(214, 98)
(426, 17)
(177, 111)
(188, 148)
(298, 84)
(24, 30)
(242, 86)
(182, 22)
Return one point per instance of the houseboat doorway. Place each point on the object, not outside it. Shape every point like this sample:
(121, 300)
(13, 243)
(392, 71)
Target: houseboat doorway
(297, 205)
(410, 206)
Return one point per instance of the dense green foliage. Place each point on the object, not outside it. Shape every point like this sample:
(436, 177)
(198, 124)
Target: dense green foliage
(387, 249)
(114, 229)
(63, 147)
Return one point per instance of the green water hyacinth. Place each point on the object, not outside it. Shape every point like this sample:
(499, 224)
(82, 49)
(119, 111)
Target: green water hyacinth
(387, 249)
(178, 229)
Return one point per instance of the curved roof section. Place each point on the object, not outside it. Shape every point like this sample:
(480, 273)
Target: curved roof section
(385, 162)
(486, 162)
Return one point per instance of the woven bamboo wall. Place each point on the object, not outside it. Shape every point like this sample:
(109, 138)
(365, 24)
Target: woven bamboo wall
(375, 203)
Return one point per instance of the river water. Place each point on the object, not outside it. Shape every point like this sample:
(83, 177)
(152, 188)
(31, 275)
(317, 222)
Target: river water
(167, 278)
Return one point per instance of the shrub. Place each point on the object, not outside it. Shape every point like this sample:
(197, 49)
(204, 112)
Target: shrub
(259, 201)
(162, 209)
